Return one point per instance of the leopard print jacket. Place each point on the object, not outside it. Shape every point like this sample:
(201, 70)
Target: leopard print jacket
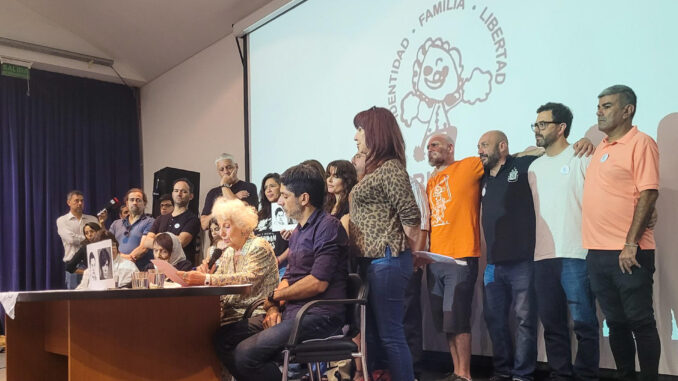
(380, 204)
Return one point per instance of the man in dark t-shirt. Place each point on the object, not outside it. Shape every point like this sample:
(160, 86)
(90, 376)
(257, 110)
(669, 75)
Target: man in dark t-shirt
(317, 270)
(182, 222)
(229, 187)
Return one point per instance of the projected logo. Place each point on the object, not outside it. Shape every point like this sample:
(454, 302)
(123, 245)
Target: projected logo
(439, 84)
(453, 58)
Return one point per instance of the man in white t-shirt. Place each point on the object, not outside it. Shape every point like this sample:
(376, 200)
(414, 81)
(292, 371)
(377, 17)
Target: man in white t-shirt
(560, 275)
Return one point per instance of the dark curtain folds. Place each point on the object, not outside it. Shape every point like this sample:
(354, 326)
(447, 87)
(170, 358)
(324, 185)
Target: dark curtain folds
(70, 133)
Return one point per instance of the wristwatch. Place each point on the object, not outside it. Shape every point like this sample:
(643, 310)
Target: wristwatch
(270, 298)
(225, 185)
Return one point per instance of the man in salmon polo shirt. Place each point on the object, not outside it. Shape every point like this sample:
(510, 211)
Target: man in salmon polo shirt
(453, 192)
(620, 191)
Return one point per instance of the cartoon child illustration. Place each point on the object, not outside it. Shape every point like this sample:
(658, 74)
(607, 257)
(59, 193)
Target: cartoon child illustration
(438, 85)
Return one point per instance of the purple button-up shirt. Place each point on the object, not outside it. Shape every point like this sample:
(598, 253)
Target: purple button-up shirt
(319, 248)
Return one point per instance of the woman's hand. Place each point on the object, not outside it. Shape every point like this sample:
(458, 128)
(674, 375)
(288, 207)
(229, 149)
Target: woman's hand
(203, 267)
(192, 278)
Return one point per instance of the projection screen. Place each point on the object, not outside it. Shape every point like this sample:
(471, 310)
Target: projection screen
(313, 68)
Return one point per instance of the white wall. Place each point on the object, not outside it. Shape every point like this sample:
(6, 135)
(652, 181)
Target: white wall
(194, 112)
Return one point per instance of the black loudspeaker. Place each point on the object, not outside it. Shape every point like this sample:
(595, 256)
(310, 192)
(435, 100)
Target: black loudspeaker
(162, 183)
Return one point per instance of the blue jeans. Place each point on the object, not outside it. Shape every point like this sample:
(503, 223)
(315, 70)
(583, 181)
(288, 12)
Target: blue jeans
(250, 352)
(72, 280)
(388, 278)
(562, 284)
(508, 283)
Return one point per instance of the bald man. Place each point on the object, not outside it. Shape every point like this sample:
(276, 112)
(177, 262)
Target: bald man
(509, 225)
(454, 198)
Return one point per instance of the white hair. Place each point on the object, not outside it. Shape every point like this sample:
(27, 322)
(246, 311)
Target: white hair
(225, 156)
(237, 212)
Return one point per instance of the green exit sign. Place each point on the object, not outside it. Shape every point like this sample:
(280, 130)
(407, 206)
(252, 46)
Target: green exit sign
(16, 71)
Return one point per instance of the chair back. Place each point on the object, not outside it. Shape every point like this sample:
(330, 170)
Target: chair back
(355, 289)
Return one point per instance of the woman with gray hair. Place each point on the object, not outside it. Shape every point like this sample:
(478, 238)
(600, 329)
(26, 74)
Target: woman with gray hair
(247, 259)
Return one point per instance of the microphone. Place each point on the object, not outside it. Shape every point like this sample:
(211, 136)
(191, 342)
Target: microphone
(112, 203)
(216, 254)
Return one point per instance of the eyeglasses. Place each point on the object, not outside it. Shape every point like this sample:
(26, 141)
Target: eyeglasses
(542, 125)
(165, 205)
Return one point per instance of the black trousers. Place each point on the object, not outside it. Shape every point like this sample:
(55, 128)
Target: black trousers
(626, 301)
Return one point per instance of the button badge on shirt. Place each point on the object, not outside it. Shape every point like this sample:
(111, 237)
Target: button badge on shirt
(565, 169)
(604, 158)
(482, 193)
(176, 226)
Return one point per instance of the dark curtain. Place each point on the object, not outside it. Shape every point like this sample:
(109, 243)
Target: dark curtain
(69, 133)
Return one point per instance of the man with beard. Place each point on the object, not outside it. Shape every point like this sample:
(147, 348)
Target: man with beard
(509, 227)
(131, 231)
(560, 276)
(454, 199)
(317, 269)
(182, 222)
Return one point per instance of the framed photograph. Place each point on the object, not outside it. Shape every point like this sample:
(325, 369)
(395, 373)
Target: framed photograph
(279, 220)
(100, 264)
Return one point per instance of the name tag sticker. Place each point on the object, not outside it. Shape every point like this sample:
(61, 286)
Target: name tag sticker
(565, 170)
(604, 158)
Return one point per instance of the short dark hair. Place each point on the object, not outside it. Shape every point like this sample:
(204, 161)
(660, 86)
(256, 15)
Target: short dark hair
(626, 95)
(561, 114)
(143, 195)
(187, 181)
(166, 197)
(303, 178)
(72, 193)
(317, 165)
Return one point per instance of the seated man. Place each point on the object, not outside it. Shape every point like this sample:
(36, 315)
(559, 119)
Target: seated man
(317, 270)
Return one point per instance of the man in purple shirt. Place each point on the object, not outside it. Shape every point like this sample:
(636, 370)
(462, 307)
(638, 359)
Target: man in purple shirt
(317, 269)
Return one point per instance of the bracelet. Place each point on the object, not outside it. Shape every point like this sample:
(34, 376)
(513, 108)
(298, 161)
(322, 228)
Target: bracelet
(225, 185)
(631, 244)
(207, 279)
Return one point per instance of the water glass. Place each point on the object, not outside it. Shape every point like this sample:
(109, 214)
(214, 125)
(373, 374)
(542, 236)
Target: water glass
(139, 279)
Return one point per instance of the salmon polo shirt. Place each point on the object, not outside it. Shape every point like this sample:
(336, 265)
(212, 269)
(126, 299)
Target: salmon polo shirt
(618, 172)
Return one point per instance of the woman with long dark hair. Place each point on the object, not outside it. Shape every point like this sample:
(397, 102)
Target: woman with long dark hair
(269, 193)
(385, 226)
(341, 178)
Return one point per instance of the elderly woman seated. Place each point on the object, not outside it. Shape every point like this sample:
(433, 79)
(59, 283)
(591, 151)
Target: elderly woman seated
(166, 246)
(122, 268)
(247, 259)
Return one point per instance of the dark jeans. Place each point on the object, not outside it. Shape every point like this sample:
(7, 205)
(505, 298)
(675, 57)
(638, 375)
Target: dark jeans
(626, 301)
(250, 352)
(562, 284)
(387, 279)
(413, 319)
(508, 283)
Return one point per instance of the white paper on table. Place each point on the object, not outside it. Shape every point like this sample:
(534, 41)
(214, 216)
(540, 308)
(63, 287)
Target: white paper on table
(8, 300)
(169, 270)
(279, 220)
(433, 257)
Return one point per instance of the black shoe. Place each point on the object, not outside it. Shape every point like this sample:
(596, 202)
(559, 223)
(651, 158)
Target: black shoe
(500, 377)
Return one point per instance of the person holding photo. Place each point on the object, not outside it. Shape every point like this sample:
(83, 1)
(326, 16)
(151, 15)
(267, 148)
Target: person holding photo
(122, 268)
(269, 195)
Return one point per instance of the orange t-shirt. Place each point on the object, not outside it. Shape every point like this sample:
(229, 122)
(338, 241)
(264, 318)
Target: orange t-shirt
(618, 172)
(454, 199)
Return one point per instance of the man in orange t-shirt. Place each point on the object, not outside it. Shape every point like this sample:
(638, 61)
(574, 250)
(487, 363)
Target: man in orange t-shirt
(620, 191)
(453, 192)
